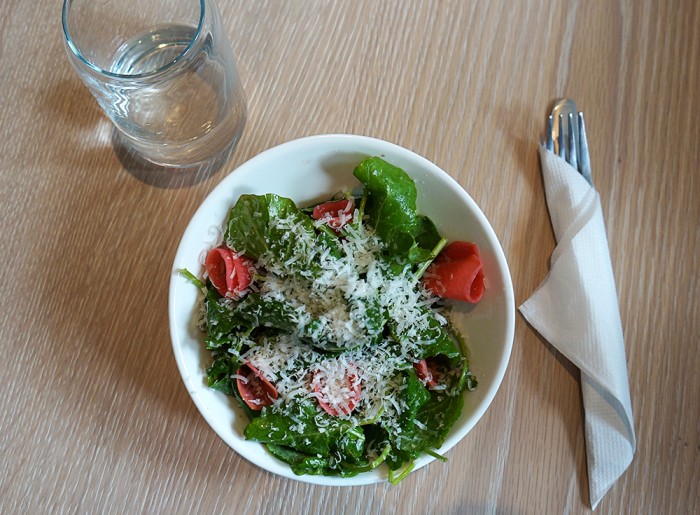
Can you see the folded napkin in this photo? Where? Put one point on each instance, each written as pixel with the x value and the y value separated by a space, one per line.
pixel 575 309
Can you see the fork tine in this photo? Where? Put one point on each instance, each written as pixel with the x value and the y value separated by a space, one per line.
pixel 549 142
pixel 573 154
pixel 585 167
pixel 562 143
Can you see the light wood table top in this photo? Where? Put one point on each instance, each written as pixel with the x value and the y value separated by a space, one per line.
pixel 94 416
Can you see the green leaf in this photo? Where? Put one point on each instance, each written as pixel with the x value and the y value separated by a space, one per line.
pixel 439 336
pixel 434 420
pixel 351 444
pixel 318 437
pixel 427 235
pixel 346 457
pixel 247 226
pixel 258 311
pixel 222 323
pixel 299 462
pixel 439 415
pixel 373 315
pixel 219 374
pixel 391 202
pixel 391 206
pixel 442 342
pixel 254 228
pixel 365 465
pixel 416 395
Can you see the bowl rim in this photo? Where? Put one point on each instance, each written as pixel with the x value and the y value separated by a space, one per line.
pixel 390 148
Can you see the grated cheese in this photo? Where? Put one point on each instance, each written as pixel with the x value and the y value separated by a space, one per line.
pixel 336 299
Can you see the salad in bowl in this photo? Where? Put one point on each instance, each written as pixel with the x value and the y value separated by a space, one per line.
pixel 329 333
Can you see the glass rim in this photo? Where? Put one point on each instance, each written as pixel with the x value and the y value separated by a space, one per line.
pixel 76 51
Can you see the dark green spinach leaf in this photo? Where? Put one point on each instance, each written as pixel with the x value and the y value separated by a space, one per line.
pixel 391 202
pixel 253 228
pixel 439 339
pixel 391 206
pixel 219 374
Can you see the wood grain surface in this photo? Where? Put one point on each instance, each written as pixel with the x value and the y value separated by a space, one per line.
pixel 93 414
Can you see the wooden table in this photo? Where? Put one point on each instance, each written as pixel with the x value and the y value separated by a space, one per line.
pixel 94 415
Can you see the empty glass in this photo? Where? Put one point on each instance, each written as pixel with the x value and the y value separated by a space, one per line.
pixel 164 73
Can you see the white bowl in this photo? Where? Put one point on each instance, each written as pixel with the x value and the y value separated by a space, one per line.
pixel 312 169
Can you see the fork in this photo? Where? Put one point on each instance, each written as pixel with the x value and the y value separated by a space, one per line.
pixel 566 136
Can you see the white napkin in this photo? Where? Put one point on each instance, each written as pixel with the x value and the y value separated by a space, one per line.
pixel 575 309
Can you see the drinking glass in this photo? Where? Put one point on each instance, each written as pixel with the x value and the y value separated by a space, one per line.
pixel 163 71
